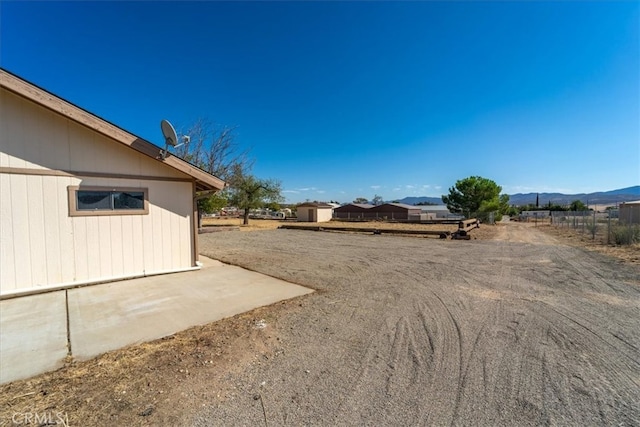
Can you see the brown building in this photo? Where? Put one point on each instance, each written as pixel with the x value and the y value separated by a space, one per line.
pixel 630 212
pixel 397 211
pixel 387 211
pixel 353 211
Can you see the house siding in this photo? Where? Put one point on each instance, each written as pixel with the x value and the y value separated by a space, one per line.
pixel 43 153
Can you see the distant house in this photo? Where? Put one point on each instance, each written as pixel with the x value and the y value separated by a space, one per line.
pixel 438 211
pixel 84 201
pixel 314 212
pixel 352 211
pixel 629 212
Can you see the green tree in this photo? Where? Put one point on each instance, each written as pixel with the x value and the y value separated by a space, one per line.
pixel 377 200
pixel 498 205
pixel 212 203
pixel 577 205
pixel 361 200
pixel 556 207
pixel 248 192
pixel 476 195
pixel 274 206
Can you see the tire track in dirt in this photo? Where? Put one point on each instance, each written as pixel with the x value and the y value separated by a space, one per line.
pixel 600 386
pixel 521 333
pixel 404 362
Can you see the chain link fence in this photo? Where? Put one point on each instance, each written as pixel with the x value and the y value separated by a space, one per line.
pixel 607 227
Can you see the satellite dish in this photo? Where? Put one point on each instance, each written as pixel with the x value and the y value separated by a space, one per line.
pixel 170 138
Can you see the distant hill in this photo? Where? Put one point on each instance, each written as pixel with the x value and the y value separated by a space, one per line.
pixel 416 200
pixel 600 198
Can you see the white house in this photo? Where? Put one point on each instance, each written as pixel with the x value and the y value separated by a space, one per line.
pixel 438 211
pixel 314 212
pixel 85 201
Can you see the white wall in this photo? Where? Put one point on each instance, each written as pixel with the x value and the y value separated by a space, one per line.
pixel 41 245
pixel 319 214
pixel 324 214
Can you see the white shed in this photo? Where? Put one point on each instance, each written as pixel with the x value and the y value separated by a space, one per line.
pixel 84 201
pixel 314 212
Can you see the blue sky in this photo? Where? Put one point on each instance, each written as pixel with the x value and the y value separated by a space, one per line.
pixel 340 100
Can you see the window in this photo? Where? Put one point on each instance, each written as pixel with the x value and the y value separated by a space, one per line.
pixel 84 201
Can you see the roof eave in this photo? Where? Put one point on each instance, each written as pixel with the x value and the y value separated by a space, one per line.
pixel 204 180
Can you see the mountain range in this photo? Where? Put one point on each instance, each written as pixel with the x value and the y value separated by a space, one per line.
pixel 600 198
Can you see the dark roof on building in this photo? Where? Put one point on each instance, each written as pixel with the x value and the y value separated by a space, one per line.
pixel 399 205
pixel 355 205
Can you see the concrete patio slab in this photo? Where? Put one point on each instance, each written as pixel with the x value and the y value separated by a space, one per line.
pixel 33 335
pixel 111 316
pixel 36 330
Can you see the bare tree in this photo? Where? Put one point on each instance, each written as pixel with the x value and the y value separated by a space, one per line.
pixel 214 149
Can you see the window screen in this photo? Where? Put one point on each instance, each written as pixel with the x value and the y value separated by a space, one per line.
pixel 103 201
pixel 109 200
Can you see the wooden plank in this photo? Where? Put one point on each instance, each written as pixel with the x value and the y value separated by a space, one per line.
pixel 35 218
pixel 468 224
pixel 128 253
pixel 21 231
pixel 118 241
pixel 65 226
pixel 7 253
pixel 147 236
pixel 367 230
pixel 85 251
pixel 105 246
pixel 137 242
pixel 88 174
pixel 50 193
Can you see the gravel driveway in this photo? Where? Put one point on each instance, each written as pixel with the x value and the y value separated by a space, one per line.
pixel 415 331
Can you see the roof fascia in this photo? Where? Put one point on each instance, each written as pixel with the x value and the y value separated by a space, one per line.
pixel 41 97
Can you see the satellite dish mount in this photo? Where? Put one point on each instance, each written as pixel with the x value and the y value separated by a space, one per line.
pixel 170 138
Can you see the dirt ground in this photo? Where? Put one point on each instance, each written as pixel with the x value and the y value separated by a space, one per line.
pixel 515 327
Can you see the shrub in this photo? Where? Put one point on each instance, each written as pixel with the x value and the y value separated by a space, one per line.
pixel 626 234
pixel 592 227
